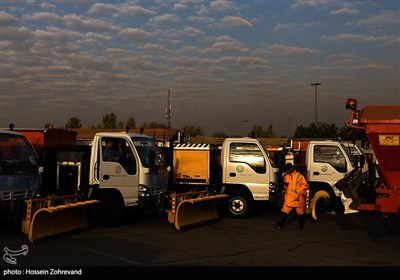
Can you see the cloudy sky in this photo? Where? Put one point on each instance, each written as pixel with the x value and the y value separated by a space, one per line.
pixel 228 64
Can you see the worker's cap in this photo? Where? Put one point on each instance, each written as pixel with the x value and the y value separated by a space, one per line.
pixel 287 167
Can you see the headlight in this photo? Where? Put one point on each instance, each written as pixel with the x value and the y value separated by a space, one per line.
pixel 143 190
pixel 273 188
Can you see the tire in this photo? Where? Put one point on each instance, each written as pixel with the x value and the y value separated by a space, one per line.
pixel 111 211
pixel 240 205
pixel 324 204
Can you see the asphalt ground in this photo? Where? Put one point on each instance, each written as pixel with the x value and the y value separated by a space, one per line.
pixel 148 244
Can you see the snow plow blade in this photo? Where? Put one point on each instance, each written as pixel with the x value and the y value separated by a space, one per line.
pixel 314 200
pixel 53 220
pixel 193 208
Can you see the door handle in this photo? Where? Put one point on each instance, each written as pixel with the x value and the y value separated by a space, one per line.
pixel 316 173
pixel 232 174
pixel 106 177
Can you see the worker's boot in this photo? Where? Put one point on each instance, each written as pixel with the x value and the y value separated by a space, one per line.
pixel 301 221
pixel 279 224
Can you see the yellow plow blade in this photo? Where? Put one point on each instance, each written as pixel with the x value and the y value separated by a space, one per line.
pixel 191 211
pixel 314 200
pixel 52 220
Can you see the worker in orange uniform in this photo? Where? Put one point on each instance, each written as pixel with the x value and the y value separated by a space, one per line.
pixel 296 188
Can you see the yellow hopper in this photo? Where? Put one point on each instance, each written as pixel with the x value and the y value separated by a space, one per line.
pixel 50 220
pixel 193 207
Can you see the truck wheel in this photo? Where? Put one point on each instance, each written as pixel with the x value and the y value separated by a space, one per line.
pixel 324 204
pixel 240 205
pixel 110 212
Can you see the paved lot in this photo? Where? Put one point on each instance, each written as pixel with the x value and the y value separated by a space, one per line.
pixel 335 240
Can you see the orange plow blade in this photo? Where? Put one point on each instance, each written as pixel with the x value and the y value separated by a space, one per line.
pixel 193 208
pixel 53 220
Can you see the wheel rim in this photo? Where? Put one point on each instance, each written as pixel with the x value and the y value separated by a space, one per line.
pixel 237 206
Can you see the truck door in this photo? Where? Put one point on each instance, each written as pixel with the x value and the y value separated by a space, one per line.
pixel 118 168
pixel 327 163
pixel 246 164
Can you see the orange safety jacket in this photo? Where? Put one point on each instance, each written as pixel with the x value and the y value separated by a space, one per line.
pixel 296 187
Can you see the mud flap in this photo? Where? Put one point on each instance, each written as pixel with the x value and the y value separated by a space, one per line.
pixel 53 220
pixel 314 200
pixel 191 211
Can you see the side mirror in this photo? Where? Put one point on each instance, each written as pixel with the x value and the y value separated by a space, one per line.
pixel 358 161
pixel 362 161
pixel 365 144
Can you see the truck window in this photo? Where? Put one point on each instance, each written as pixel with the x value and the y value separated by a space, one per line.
pixel 332 155
pixel 118 150
pixel 248 153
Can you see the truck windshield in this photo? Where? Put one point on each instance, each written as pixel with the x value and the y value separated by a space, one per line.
pixel 351 150
pixel 144 146
pixel 14 149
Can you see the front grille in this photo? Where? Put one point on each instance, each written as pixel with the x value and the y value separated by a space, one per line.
pixel 13 195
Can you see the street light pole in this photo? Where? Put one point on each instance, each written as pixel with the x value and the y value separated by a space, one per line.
pixel 315 91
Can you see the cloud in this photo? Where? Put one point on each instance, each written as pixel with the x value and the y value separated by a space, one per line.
pixel 129 10
pixel 311 3
pixel 371 66
pixel 384 17
pixel 282 26
pixel 44 16
pixel 102 9
pixel 154 47
pixel 193 31
pixel 15 33
pixel 344 11
pixel 76 22
pixel 6 19
pixel 47 6
pixel 237 22
pixel 225 44
pixel 135 34
pixel 290 50
pixel 222 6
pixel 166 18
pixel 362 38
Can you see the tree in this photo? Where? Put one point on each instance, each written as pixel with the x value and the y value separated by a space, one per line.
pixel 110 121
pixel 154 124
pixel 130 122
pixel 120 124
pixel 193 130
pixel 73 122
pixel 316 130
pixel 259 132
pixel 49 126
pixel 219 134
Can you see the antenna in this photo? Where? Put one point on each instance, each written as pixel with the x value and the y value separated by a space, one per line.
pixel 168 110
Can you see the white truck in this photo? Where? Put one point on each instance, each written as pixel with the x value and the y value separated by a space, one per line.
pixel 324 163
pixel 138 178
pixel 239 168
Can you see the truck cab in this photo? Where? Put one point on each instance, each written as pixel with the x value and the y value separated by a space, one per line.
pixel 327 162
pixel 248 175
pixel 136 178
pixel 20 173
